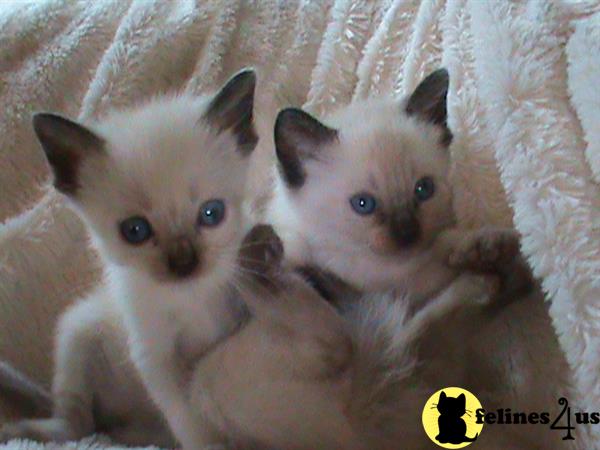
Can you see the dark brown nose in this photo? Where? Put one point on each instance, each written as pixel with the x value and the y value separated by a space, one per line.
pixel 182 258
pixel 405 229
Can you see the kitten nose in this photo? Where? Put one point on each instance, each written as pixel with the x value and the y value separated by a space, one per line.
pixel 182 258
pixel 405 229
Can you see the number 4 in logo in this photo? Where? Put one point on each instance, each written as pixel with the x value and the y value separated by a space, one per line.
pixel 568 427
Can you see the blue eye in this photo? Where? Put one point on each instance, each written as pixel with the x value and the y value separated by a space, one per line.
pixel 135 230
pixel 212 213
pixel 363 204
pixel 424 189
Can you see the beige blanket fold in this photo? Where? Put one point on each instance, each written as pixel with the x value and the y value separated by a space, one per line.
pixel 524 105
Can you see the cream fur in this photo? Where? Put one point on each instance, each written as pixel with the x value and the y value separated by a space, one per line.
pixel 84 58
pixel 163 316
pixel 376 152
pixel 170 322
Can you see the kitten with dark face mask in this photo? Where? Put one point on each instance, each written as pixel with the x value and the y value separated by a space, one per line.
pixel 160 187
pixel 366 195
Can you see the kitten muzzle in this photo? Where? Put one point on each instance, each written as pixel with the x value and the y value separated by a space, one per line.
pixel 182 258
pixel 405 229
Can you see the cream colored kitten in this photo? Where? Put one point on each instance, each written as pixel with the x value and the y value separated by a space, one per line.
pixel 366 195
pixel 160 187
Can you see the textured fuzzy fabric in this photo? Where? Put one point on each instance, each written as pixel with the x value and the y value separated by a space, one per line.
pixel 92 443
pixel 523 105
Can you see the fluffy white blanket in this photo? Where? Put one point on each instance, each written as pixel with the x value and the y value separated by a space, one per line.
pixel 524 105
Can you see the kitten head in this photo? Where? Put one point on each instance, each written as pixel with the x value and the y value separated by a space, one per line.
pixel 160 185
pixel 452 406
pixel 374 181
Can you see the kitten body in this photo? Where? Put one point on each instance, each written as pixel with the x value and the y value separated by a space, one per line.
pixel 283 380
pixel 296 376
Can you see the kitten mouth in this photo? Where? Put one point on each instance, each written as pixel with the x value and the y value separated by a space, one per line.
pixel 183 269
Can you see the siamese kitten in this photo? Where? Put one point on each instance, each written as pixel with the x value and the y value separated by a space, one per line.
pixel 160 188
pixel 366 195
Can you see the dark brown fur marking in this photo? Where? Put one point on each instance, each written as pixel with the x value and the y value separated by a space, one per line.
pixel 298 137
pixel 261 254
pixel 65 143
pixel 232 109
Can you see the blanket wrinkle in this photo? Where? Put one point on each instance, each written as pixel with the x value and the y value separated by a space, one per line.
pixel 523 106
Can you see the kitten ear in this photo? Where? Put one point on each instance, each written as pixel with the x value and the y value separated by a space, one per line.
pixel 442 396
pixel 298 137
pixel 65 144
pixel 428 102
pixel 463 400
pixel 232 109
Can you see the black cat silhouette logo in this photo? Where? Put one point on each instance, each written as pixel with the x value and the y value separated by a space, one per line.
pixel 449 418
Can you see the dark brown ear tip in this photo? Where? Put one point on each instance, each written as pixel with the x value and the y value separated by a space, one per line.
pixel 441 74
pixel 43 119
pixel 40 119
pixel 439 77
pixel 245 77
pixel 248 73
pixel 289 114
pixel 285 118
pixel 300 119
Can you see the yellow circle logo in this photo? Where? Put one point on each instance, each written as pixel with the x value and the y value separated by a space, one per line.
pixel 449 418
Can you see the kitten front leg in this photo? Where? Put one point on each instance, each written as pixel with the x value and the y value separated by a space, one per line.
pixel 165 376
pixel 76 348
pixel 467 290
pixel 487 249
pixel 493 250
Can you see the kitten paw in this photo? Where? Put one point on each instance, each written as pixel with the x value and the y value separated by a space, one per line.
pixel 486 250
pixel 261 253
